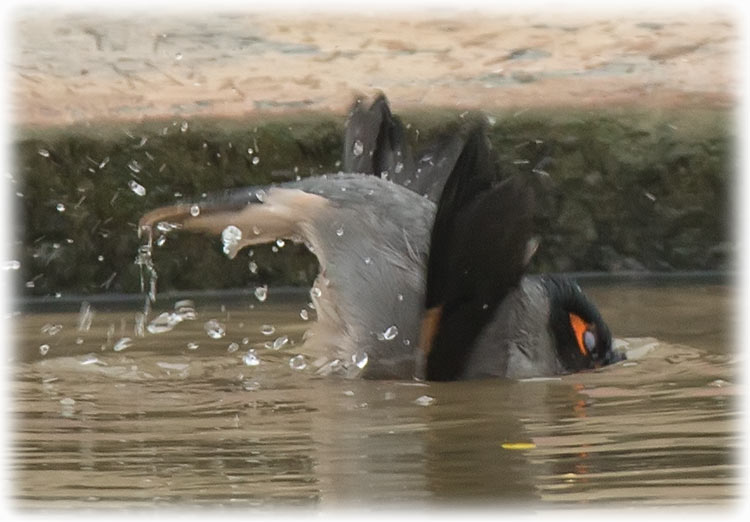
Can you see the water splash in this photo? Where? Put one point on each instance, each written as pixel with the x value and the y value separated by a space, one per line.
pixel 148 275
pixel 137 188
pixel 267 329
pixel 251 358
pixel 298 362
pixel 389 334
pixel 280 342
pixel 214 329
pixel 184 310
pixel 122 344
pixel 360 360
pixel 230 238
pixel 85 317
pixel 424 400
pixel 13 264
pixel 261 293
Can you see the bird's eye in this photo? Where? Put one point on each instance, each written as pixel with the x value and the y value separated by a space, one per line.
pixel 584 337
pixel 589 340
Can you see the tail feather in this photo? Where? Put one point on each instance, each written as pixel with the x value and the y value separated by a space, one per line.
pixel 375 143
pixel 479 249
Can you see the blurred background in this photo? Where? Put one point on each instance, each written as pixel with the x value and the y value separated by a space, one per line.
pixel 631 115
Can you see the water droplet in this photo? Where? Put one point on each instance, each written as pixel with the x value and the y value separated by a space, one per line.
pixel 51 329
pixel 261 293
pixel 280 342
pixel 184 310
pixel 256 160
pixel 251 358
pixel 60 207
pixel 280 243
pixel 298 362
pixel 192 346
pixel 315 291
pixel 358 148
pixel 233 347
pixel 230 237
pixel 122 344
pixel 185 125
pixel 250 151
pixel 398 167
pixel 260 195
pixel 43 349
pixel 304 315
pixel 85 317
pixel 134 166
pixel 368 260
pixel 44 153
pixel 340 231
pixel 424 400
pixel 389 334
pixel 195 211
pixel 360 359
pixel 719 383
pixel 164 322
pixel 90 359
pixel 214 329
pixel 12 265
pixel 400 297
pixel 137 188
pixel 67 401
pixel 267 329
pixel 161 240
pixel 253 266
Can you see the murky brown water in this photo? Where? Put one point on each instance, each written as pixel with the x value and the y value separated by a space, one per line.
pixel 158 423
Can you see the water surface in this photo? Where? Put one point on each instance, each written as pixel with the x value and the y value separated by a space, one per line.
pixel 164 423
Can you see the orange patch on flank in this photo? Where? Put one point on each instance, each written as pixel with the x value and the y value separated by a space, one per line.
pixel 430 323
pixel 579 327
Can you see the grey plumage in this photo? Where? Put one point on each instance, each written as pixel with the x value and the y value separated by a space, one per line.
pixel 372 240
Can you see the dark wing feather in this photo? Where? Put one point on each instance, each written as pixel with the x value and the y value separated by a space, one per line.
pixel 477 255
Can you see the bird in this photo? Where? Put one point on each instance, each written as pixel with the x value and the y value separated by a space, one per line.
pixel 422 260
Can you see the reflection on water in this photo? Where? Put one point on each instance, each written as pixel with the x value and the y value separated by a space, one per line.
pixel 182 417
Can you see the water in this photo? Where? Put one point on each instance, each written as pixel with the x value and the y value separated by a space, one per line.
pixel 161 424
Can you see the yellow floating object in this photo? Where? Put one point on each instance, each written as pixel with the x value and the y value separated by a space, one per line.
pixel 518 445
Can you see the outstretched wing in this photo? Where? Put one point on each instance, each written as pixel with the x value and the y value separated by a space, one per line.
pixel 370 238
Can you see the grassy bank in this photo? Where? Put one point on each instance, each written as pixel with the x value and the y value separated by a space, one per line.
pixel 627 190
